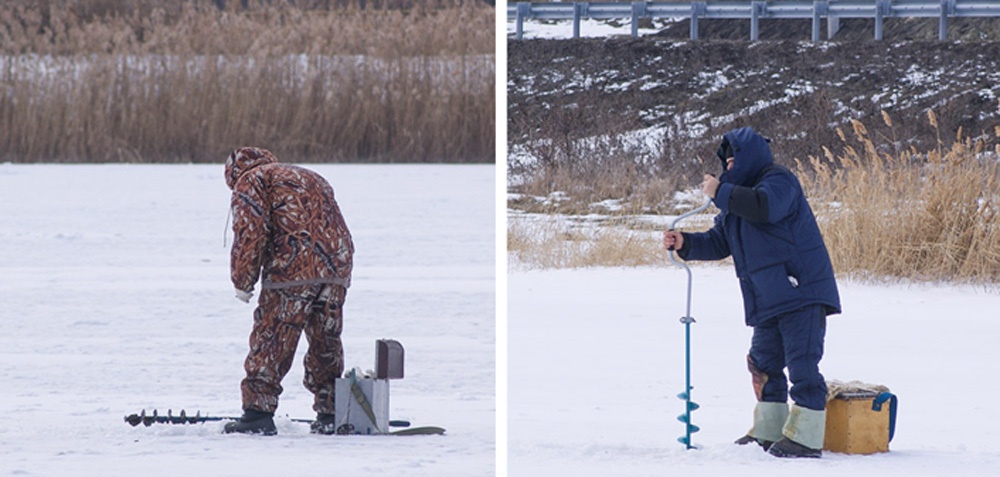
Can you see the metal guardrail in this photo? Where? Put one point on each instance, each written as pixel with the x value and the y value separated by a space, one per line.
pixel 832 10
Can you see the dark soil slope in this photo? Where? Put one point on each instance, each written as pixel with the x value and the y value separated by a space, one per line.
pixel 795 91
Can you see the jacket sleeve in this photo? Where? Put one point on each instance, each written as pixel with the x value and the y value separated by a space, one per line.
pixel 769 201
pixel 251 230
pixel 708 245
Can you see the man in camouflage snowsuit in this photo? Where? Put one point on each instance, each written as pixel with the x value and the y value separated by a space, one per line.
pixel 289 233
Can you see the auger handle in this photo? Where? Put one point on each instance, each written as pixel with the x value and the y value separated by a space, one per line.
pixel 673 254
pixel 673 224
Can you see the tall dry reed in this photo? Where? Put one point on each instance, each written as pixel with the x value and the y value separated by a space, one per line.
pixel 908 214
pixel 190 81
pixel 887 212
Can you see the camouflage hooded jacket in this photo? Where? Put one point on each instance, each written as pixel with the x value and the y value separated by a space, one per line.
pixel 286 225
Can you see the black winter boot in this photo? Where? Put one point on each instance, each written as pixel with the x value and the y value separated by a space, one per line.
pixel 324 424
pixel 789 448
pixel 748 439
pixel 253 422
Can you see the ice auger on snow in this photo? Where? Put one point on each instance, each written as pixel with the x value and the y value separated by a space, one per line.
pixel 689 405
pixel 366 395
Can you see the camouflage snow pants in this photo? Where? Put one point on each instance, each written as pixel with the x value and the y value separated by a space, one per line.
pixel 281 316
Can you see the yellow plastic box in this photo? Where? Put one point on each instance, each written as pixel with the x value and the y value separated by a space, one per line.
pixel 853 427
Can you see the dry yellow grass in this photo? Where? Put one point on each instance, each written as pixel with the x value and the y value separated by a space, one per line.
pixel 72 27
pixel 908 215
pixel 188 82
pixel 911 215
pixel 561 244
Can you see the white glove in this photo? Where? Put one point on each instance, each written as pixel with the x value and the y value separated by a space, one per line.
pixel 244 296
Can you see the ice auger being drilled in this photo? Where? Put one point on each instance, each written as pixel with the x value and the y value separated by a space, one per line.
pixel 689 405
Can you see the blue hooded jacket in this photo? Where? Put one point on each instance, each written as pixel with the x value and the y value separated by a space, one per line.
pixel 768 228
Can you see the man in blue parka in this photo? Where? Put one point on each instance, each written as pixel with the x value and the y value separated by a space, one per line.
pixel 788 287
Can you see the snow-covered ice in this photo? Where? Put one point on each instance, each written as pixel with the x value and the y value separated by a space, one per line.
pixel 597 358
pixel 116 298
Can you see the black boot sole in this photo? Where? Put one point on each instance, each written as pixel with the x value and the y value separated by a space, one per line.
pixel 788 449
pixel 766 445
pixel 263 427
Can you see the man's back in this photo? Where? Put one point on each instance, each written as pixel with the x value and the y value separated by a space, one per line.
pixel 287 225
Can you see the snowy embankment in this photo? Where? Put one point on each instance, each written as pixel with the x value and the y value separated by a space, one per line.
pixel 589 28
pixel 597 358
pixel 116 298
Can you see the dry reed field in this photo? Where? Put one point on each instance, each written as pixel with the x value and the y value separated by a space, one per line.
pixel 185 80
pixel 887 212
pixel 892 212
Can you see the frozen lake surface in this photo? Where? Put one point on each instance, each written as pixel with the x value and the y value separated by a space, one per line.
pixel 597 359
pixel 116 298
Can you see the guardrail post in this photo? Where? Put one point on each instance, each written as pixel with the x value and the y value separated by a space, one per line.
pixel 755 10
pixel 697 10
pixel 881 7
pixel 947 8
pixel 522 12
pixel 638 10
pixel 577 15
pixel 832 26
pixel 819 10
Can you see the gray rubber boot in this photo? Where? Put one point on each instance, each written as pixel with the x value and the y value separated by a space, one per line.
pixel 768 420
pixel 803 433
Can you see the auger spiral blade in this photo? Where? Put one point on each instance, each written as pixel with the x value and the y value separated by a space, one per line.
pixel 170 418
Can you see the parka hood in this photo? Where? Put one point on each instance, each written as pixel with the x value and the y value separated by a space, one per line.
pixel 752 155
pixel 243 159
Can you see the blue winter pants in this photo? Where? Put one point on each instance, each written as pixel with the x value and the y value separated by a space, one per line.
pixel 795 341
